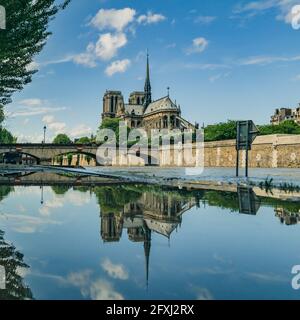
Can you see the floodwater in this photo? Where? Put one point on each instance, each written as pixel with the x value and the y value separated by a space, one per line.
pixel 140 242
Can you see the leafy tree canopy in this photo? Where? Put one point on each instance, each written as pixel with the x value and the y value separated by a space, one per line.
pixel 62 139
pixel 227 130
pixel 25 35
pixel 83 140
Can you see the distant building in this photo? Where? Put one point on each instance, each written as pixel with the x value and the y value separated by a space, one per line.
pixel 284 114
pixel 142 112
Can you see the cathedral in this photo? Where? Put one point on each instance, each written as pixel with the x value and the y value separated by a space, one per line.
pixel 142 112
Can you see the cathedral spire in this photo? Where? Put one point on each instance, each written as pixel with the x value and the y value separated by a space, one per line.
pixel 148 98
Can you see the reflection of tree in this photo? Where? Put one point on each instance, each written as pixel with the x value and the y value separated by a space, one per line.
pixel 221 199
pixel 60 190
pixel 113 199
pixel 12 261
pixel 5 191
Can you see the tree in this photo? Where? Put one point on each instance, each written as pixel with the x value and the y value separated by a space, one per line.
pixel 227 130
pixel 25 35
pixel 286 127
pixel 220 131
pixel 62 139
pixel 83 140
pixel 5 136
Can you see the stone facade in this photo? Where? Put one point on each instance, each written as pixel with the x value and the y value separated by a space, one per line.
pixel 142 112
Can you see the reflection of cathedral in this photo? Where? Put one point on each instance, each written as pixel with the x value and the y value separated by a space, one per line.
pixel 152 212
pixel 142 112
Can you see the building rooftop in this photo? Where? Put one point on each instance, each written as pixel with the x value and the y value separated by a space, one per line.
pixel 164 103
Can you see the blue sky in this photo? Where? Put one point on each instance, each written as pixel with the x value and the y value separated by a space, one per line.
pixel 222 60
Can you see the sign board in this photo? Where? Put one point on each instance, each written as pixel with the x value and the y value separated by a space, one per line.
pixel 249 203
pixel 246 133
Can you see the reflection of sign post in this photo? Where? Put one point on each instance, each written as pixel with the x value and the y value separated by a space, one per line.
pixel 246 133
pixel 2 18
pixel 249 203
pixel 2 278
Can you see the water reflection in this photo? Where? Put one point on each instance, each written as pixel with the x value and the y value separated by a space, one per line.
pixel 136 212
pixel 13 266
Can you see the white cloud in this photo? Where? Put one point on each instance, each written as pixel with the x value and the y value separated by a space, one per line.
pixel 24 138
pixel 79 131
pixel 99 289
pixel 119 66
pixel 57 127
pixel 61 127
pixel 103 290
pixel 113 19
pixel 48 119
pixel 171 46
pixel 199 45
pixel 32 107
pixel 116 271
pixel 26 224
pixel 205 66
pixel 205 20
pixel 264 60
pixel 31 102
pixel 87 58
pixel 219 76
pixel 254 8
pixel 108 44
pixel 151 18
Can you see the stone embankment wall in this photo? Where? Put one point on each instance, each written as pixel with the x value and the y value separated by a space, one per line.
pixel 273 151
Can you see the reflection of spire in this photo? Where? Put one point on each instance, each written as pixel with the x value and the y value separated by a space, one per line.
pixel 147 247
pixel 42 195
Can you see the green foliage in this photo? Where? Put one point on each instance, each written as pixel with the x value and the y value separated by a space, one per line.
pixel 5 191
pixel 62 139
pixel 286 127
pixel 70 158
pixel 83 140
pixel 60 190
pixel 6 137
pixel 2 117
pixel 112 124
pixel 227 130
pixel 24 37
pixel 113 199
pixel 220 131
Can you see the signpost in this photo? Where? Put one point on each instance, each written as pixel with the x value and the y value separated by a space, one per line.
pixel 246 133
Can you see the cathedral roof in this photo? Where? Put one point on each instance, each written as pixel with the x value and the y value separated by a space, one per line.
pixel 162 104
pixel 163 228
pixel 136 108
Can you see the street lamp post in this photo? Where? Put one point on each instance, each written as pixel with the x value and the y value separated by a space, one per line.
pixel 45 128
